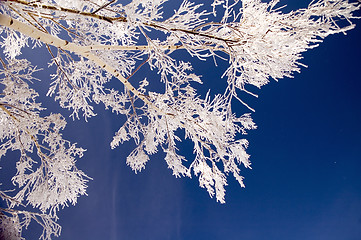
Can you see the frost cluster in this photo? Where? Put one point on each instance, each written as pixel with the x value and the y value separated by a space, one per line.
pixel 46 176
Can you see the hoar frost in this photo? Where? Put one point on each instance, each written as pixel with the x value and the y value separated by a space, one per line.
pixel 94 43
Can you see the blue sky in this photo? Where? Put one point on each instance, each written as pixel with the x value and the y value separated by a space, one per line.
pixel 306 159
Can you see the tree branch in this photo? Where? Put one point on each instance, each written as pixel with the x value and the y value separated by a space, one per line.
pixel 47 38
pixel 67 10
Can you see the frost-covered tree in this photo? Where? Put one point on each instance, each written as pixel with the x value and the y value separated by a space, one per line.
pixel 95 42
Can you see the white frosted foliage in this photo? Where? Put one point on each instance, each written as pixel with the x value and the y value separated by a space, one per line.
pixel 97 48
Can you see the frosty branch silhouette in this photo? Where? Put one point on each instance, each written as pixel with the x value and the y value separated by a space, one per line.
pixel 94 42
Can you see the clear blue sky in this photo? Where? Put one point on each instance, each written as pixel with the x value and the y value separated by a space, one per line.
pixel 306 158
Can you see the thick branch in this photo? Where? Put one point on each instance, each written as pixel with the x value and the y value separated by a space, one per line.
pixel 65 45
pixel 144 47
pixel 153 24
pixel 67 10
